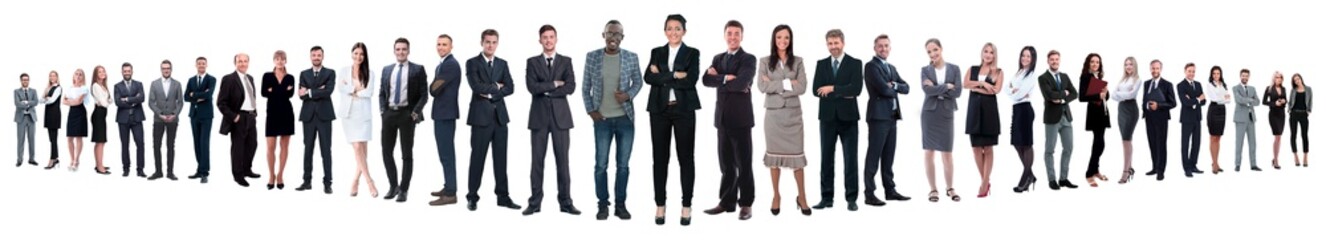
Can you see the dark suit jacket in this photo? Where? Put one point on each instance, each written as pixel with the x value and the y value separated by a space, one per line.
pixel 199 96
pixel 483 80
pixel 882 97
pixel 1163 95
pixel 231 98
pixel 1191 111
pixel 318 102
pixel 1054 112
pixel 839 105
pixel 1098 115
pixel 733 109
pixel 129 110
pixel 549 107
pixel 446 95
pixel 664 83
pixel 416 85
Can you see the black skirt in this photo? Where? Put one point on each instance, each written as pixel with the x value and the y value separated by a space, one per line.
pixel 1024 119
pixel 99 124
pixel 1277 120
pixel 1215 119
pixel 77 122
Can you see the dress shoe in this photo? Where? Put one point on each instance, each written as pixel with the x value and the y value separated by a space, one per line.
pixel 1198 171
pixel 1188 174
pixel 204 179
pixel 1151 173
pixel 443 200
pixel 195 176
pixel 1054 185
pixel 509 204
pixel 242 182
pixel 602 214
pixel 872 201
pixel 304 186
pixel 400 198
pixel 569 209
pixel 823 205
pixel 851 206
pixel 172 177
pixel 621 213
pixel 126 174
pixel 472 206
pixel 1067 184
pixel 20 163
pixel 719 209
pixel 1256 169
pixel 154 176
pixel 327 189
pixel 34 163
pixel 438 193
pixel 896 197
pixel 745 214
pixel 252 175
pixel 1160 177
pixel 391 194
pixel 141 174
pixel 531 210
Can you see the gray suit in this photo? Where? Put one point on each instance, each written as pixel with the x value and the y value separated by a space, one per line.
pixel 1245 101
pixel 550 115
pixel 25 114
pixel 165 101
pixel 129 114
pixel 938 107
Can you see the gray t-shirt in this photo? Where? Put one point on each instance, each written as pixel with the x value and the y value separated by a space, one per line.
pixel 612 75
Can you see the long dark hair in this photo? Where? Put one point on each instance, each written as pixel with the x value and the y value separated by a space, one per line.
pixel 773 47
pixel 363 67
pixel 1211 78
pixel 1032 67
pixel 1086 66
pixel 1300 82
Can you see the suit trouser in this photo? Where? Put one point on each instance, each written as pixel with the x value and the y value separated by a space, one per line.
pixel 318 131
pixel 882 143
pixel 1298 119
pixel 662 126
pixel 445 133
pixel 734 160
pixel 1063 131
pixel 53 135
pixel 243 146
pixel 1189 144
pixel 168 130
pixel 832 131
pixel 398 123
pixel 27 131
pixel 561 141
pixel 1157 132
pixel 1097 148
pixel 136 129
pixel 202 144
pixel 1245 131
pixel 482 137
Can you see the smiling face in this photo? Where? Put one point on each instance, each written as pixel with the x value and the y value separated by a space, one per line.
pixel 1094 64
pixel 357 56
pixel 988 54
pixel 127 72
pixel 1217 76
pixel 24 80
pixel 1025 59
pixel 443 47
pixel 882 48
pixel 489 45
pixel 1155 70
pixel 549 41
pixel 783 40
pixel 835 45
pixel 52 78
pixel 733 36
pixel 315 56
pixel 402 51
pixel 1053 60
pixel 612 37
pixel 1129 67
pixel 166 68
pixel 674 31
pixel 1243 77
pixel 936 53
pixel 242 63
pixel 1189 72
pixel 201 64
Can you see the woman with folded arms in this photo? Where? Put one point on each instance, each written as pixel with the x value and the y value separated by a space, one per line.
pixel 51 99
pixel 355 111
pixel 940 81
pixel 102 98
pixel 984 81
pixel 1021 136
pixel 1218 93
pixel 783 81
pixel 1125 92
pixel 278 86
pixel 74 97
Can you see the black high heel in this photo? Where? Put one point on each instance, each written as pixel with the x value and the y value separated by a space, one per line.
pixel 686 220
pixel 659 219
pixel 54 163
pixel 805 208
pixel 280 186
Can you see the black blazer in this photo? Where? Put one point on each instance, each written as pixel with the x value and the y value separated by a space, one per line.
pixel 446 95
pixel 839 105
pixel 483 80
pixel 1098 115
pixel 416 86
pixel 199 96
pixel 318 102
pixel 733 109
pixel 664 82
pixel 549 107
pixel 1163 95
pixel 1054 112
pixel 230 98
pixel 882 97
pixel 1191 111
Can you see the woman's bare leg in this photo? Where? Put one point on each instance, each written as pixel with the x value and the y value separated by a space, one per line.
pixel 285 153
pixel 271 160
pixel 774 174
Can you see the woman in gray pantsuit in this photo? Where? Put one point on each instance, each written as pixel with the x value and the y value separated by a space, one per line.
pixel 783 81
pixel 1126 94
pixel 941 83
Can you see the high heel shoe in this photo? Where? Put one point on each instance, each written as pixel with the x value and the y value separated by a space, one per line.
pixel 1275 163
pixel 803 205
pixel 270 186
pixel 280 186
pixel 54 163
pixel 659 217
pixel 686 216
pixel 1127 176
pixel 984 191
pixel 102 171
pixel 776 205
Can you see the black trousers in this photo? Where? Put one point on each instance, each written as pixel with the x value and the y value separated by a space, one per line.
pixel 202 142
pixel 1298 119
pixel 561 141
pixel 53 135
pixel 734 160
pixel 831 132
pixel 398 123
pixel 1157 131
pixel 662 126
pixel 882 143
pixel 1097 148
pixel 243 145
pixel 482 137
pixel 318 131
pixel 1189 144
pixel 136 130
pixel 166 130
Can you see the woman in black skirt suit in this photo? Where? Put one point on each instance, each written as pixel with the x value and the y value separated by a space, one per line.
pixel 74 97
pixel 51 99
pixel 985 81
pixel 1098 114
pixel 1218 93
pixel 1021 134
pixel 101 96
pixel 1275 97
pixel 278 86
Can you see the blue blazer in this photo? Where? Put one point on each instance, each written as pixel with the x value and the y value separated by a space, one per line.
pixel 129 102
pixel 1191 111
pixel 485 111
pixel 445 96
pixel 882 97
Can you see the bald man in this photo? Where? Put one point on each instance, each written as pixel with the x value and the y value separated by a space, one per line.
pixel 239 109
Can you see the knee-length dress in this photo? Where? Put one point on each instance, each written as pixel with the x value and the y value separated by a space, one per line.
pixel 102 100
pixel 355 109
pixel 77 122
pixel 1276 117
pixel 1215 112
pixel 280 114
pixel 982 114
pixel 784 131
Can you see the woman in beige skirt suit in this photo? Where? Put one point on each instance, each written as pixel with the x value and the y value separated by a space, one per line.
pixel 783 81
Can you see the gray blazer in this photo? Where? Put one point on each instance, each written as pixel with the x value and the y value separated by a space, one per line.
pixel 775 96
pixel 1245 101
pixel 938 96
pixel 25 110
pixel 165 102
pixel 1293 92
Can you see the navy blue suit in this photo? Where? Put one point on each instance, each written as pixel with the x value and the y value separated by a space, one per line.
pixel 883 112
pixel 488 117
pixel 1160 92
pixel 445 90
pixel 1190 119
pixel 317 113
pixel 198 92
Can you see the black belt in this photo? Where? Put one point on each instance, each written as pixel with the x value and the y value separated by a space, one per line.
pixel 399 108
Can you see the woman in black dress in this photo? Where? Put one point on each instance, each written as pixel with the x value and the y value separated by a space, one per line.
pixel 1218 94
pixel 278 86
pixel 51 99
pixel 101 96
pixel 985 81
pixel 74 97
pixel 1098 115
pixel 1275 98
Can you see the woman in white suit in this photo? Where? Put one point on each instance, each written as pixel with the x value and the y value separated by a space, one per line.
pixel 356 112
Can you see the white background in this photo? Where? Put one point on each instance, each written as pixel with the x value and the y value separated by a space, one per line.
pixel 1263 36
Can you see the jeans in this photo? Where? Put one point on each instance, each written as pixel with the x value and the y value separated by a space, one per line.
pixel 622 129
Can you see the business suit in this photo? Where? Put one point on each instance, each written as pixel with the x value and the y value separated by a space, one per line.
pixel 317 113
pixel 1190 118
pixel 619 118
pixel 938 107
pixel 838 116
pixel 672 104
pixel 1161 92
pixel 198 93
pixel 550 115
pixel 1057 90
pixel 734 118
pixel 883 111
pixel 1097 121
pixel 25 116
pixel 401 111
pixel 488 118
pixel 1245 103
pixel 129 114
pixel 237 99
pixel 165 99
pixel 445 112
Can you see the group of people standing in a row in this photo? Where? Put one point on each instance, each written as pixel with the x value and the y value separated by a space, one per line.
pixel 612 77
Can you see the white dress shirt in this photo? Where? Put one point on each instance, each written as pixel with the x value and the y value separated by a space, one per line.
pixel 1216 93
pixel 399 76
pixel 1024 84
pixel 250 101
pixel 672 56
pixel 1125 90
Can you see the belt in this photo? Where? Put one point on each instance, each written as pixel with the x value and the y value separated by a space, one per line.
pixel 399 108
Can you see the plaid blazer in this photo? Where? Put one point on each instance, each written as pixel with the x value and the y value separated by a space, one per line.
pixel 591 87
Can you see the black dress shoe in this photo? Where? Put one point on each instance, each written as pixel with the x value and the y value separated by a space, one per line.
pixel 1054 185
pixel 851 206
pixel 472 206
pixel 745 214
pixel 1067 184
pixel 1160 177
pixel 304 186
pixel 195 176
pixel 570 209
pixel 896 197
pixel 172 177
pixel 531 210
pixel 872 201
pixel 1188 174
pixel 1198 171
pixel 510 205
pixel 621 213
pixel 327 189
pixel 1151 173
pixel 602 214
pixel 391 194
pixel 400 198
pixel 717 210
pixel 204 179
pixel 823 205
pixel 252 175
pixel 20 164
pixel 154 176
pixel 242 182
pixel 141 174
pixel 1256 169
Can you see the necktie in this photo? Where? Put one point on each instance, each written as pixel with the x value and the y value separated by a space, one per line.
pixel 549 63
pixel 396 95
pixel 1057 84
pixel 835 68
pixel 248 89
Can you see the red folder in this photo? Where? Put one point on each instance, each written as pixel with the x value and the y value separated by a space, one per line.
pixel 1095 87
